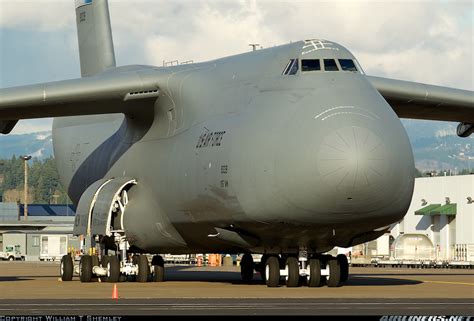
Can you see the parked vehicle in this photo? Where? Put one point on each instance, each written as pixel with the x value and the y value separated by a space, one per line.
pixel 12 253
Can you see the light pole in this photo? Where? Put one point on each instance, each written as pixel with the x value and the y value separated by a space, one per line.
pixel 26 158
pixel 1 195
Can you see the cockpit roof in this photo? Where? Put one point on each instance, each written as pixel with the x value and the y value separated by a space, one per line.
pixel 320 48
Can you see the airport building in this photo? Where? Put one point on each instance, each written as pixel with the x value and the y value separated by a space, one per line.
pixel 440 221
pixel 46 233
pixel 437 228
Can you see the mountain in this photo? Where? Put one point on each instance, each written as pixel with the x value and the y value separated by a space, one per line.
pixel 38 145
pixel 435 145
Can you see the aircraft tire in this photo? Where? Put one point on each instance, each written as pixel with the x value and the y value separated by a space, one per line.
pixel 158 264
pixel 113 268
pixel 247 267
pixel 85 268
pixel 314 273
pixel 66 268
pixel 324 263
pixel 261 267
pixel 133 277
pixel 293 269
pixel 143 268
pixel 272 271
pixel 104 262
pixel 95 260
pixel 334 279
pixel 344 267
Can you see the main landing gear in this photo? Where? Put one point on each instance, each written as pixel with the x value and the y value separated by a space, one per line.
pixel 294 271
pixel 111 269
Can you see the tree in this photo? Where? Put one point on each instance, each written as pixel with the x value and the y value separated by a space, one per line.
pixel 43 181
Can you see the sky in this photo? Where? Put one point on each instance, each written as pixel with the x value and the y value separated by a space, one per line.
pixel 426 41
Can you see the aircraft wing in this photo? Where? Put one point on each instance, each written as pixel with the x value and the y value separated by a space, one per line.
pixel 114 92
pixel 421 101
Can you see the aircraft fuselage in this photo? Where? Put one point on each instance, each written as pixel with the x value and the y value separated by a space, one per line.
pixel 313 159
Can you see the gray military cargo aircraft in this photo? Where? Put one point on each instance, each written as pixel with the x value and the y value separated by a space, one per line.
pixel 287 151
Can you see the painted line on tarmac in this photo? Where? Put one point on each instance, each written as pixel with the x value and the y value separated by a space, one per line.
pixel 212 307
pixel 23 305
pixel 38 308
pixel 446 282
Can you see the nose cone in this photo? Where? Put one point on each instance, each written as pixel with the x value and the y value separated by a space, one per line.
pixel 353 159
pixel 347 162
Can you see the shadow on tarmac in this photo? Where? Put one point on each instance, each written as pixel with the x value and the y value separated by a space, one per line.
pixel 17 278
pixel 178 274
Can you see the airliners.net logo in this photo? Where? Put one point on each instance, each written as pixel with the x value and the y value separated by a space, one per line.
pixel 425 318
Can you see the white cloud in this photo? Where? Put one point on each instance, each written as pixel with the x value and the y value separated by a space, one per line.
pixel 45 15
pixel 426 41
pixel 216 33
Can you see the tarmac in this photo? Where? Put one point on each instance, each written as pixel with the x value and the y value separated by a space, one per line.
pixel 34 288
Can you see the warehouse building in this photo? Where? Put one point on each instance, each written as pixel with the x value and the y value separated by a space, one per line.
pixel 46 233
pixel 440 221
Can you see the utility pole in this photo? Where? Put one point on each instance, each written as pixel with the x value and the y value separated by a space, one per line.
pixel 2 177
pixel 26 158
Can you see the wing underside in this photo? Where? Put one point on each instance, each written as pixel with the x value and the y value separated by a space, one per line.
pixel 103 94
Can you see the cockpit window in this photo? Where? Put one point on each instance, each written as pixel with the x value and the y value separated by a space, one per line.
pixel 294 67
pixel 330 65
pixel 291 68
pixel 287 67
pixel 347 64
pixel 310 65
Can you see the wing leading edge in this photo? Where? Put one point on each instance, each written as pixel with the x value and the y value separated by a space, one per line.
pixel 114 92
pixel 421 101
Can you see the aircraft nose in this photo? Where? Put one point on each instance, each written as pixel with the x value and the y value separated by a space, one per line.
pixel 353 158
pixel 349 161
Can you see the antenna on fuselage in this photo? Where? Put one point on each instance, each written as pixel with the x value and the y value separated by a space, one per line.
pixel 254 46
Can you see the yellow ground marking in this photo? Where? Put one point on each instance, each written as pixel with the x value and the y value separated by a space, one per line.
pixel 444 282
